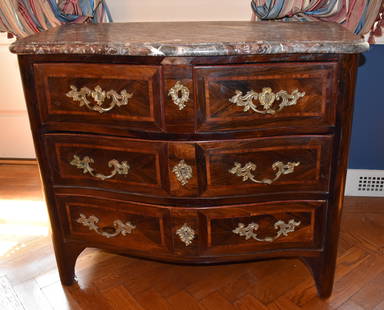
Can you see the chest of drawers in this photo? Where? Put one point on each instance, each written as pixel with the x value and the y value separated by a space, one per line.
pixel 193 142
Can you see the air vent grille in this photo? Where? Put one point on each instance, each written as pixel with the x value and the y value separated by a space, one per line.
pixel 371 184
pixel 365 183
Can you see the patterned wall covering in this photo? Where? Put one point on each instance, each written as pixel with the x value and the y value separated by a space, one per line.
pixel 24 17
pixel 359 16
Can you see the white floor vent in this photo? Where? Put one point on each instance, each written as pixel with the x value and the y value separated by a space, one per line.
pixel 365 183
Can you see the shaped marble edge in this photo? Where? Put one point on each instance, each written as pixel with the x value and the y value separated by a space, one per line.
pixel 193 39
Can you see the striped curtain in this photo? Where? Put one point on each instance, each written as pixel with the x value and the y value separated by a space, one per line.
pixel 25 17
pixel 360 16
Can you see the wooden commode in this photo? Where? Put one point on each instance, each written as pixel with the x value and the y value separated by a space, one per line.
pixel 201 142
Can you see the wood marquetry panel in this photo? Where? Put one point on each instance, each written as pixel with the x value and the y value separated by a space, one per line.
pixel 264 226
pixel 245 167
pixel 186 232
pixel 138 84
pixel 216 85
pixel 106 163
pixel 144 232
pixel 178 118
pixel 182 156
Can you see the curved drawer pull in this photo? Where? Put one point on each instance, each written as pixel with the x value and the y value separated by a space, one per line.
pixel 118 168
pixel 186 234
pixel 99 97
pixel 266 99
pixel 183 172
pixel 175 91
pixel 279 167
pixel 250 230
pixel 118 226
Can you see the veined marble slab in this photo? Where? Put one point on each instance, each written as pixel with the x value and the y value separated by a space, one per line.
pixel 193 39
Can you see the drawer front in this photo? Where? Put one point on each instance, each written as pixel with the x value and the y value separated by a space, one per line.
pixel 191 232
pixel 265 96
pixel 107 163
pixel 234 168
pixel 114 223
pixel 265 226
pixel 113 95
pixel 268 165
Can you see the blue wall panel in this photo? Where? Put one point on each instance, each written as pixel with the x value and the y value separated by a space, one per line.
pixel 367 144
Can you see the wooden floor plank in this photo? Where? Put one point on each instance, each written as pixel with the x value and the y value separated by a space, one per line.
pixel 119 298
pixel 31 295
pixel 214 278
pixel 172 283
pixel 20 182
pixel 380 306
pixel 248 302
pixel 183 300
pixel 110 281
pixel 47 278
pixel 367 230
pixel 348 262
pixel 8 298
pixel 216 301
pixel 371 294
pixel 283 303
pixel 151 300
pixel 59 299
pixel 238 287
pixel 350 305
pixel 351 283
pixel 289 273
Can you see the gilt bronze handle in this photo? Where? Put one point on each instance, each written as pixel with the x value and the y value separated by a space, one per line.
pixel 266 99
pixel 85 165
pixel 99 96
pixel 246 172
pixel 250 231
pixel 118 226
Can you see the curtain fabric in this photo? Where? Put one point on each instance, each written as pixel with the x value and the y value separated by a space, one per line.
pixel 359 16
pixel 25 17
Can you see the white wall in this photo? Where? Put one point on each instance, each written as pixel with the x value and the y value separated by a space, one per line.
pixel 179 10
pixel 15 138
pixel 15 135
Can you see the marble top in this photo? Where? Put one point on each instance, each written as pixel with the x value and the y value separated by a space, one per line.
pixel 192 39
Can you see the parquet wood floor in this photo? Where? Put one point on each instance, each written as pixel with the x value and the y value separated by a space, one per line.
pixel 28 274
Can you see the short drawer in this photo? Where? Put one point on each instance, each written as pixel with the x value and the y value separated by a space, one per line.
pixel 265 96
pixel 114 223
pixel 265 165
pixel 264 226
pixel 107 163
pixel 99 94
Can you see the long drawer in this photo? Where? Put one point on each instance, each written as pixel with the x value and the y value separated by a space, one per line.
pixel 289 97
pixel 210 231
pixel 192 169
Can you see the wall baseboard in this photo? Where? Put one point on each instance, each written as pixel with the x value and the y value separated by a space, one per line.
pixel 18 161
pixel 365 183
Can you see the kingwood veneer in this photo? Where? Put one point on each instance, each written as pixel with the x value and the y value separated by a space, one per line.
pixel 193 142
